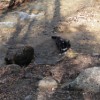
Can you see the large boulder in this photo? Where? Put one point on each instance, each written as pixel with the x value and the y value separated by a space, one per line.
pixel 88 80
pixel 20 54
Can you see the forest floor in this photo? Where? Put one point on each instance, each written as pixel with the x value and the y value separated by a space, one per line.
pixel 78 24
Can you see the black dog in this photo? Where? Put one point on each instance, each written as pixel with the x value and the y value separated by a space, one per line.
pixel 62 44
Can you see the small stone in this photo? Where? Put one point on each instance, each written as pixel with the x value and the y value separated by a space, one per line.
pixel 3 81
pixel 28 75
pixel 29 97
pixel 96 55
pixel 69 98
pixel 71 54
pixel 47 84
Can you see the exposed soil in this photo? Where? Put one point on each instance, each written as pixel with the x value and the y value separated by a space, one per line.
pixel 79 25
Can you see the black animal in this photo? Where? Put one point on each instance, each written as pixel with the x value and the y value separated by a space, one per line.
pixel 20 55
pixel 62 44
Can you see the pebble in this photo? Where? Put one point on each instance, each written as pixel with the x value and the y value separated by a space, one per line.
pixel 69 98
pixel 28 75
pixel 29 97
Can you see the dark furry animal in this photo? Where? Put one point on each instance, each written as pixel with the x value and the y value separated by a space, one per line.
pixel 20 55
pixel 62 44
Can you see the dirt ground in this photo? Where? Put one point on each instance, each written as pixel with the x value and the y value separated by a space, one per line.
pixel 78 24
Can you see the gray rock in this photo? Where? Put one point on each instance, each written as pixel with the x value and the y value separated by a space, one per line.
pixel 96 55
pixel 29 97
pixel 7 24
pixel 28 75
pixel 88 80
pixel 20 54
pixel 69 98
